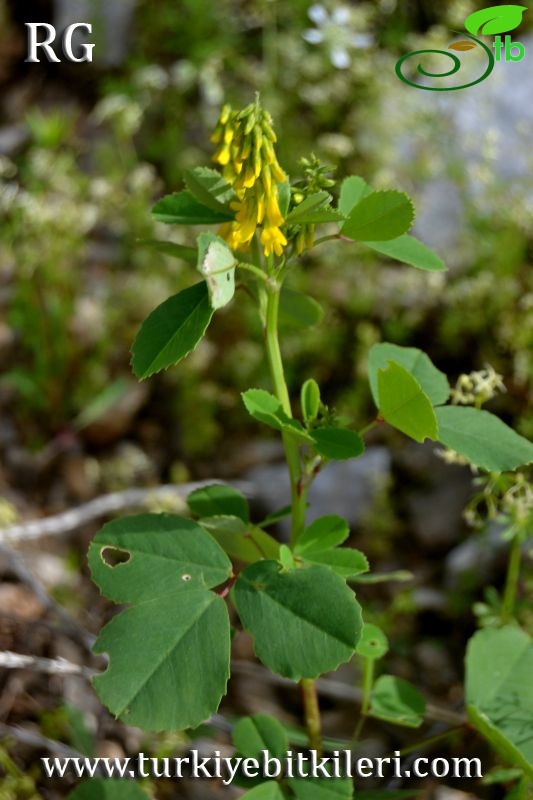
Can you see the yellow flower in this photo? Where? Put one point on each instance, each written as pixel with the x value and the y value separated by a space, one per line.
pixel 246 152
pixel 273 241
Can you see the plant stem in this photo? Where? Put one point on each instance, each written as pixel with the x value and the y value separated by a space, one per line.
pixel 298 488
pixel 312 715
pixel 368 682
pixel 511 583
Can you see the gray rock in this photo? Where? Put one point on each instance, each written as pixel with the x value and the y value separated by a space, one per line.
pixel 347 488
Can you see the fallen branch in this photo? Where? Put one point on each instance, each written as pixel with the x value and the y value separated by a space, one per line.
pixel 168 497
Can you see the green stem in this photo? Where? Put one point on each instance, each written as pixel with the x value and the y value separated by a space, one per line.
pixel 252 268
pixel 368 682
pixel 430 740
pixel 511 583
pixel 298 488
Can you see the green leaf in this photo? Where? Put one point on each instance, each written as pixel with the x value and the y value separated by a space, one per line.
pixel 108 789
pixel 314 210
pixel 240 540
pixel 276 516
pixel 169 565
pixel 251 735
pixel 286 558
pixel 494 20
pixel 310 400
pixel 322 534
pixel 397 701
pixel 353 190
pixel 270 790
pixel 210 189
pixel 499 691
pixel 163 552
pixel 379 217
pixel 403 404
pixel 172 331
pixel 337 444
pixel 289 615
pixel 169 660
pixel 284 197
pixel 483 439
pixel 373 643
pixel 417 363
pixel 297 310
pixel 410 251
pixel 182 208
pixel 384 794
pixel 322 788
pixel 266 408
pixel 217 264
pixel 346 562
pixel 218 499
pixel 172 249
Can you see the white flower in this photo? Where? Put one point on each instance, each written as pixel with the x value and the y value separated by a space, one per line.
pixel 335 32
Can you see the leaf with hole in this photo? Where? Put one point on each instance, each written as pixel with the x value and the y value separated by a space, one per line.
pixel 499 692
pixel 483 439
pixel 218 499
pixel 172 331
pixel 170 628
pixel 411 251
pixel 216 263
pixel 397 701
pixel 404 404
pixel 182 208
pixel 304 623
pixel 379 217
pixel 417 363
pixel 373 643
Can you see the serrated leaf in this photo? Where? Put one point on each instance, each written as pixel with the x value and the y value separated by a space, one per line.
pixel 417 363
pixel 353 190
pixel 218 499
pixel 108 789
pixel 266 408
pixel 289 615
pixel 210 188
pixel 182 208
pixel 397 701
pixel 483 439
pixel 410 250
pixel 172 249
pixel 241 540
pixel 322 534
pixel 172 331
pixel 337 444
pixel 251 735
pixel 322 788
pixel 166 553
pixel 494 20
pixel 499 691
pixel 168 660
pixel 404 405
pixel 310 400
pixel 346 561
pixel 298 310
pixel 270 790
pixel 373 643
pixel 314 210
pixel 379 217
pixel 217 264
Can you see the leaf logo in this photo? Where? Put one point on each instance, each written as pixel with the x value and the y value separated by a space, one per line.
pixel 464 45
pixel 495 20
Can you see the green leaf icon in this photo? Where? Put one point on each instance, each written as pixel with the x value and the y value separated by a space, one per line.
pixel 497 19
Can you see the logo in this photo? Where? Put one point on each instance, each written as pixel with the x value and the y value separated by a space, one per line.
pixel 492 21
pixel 50 36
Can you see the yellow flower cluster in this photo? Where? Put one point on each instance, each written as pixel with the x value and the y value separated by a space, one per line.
pixel 245 150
